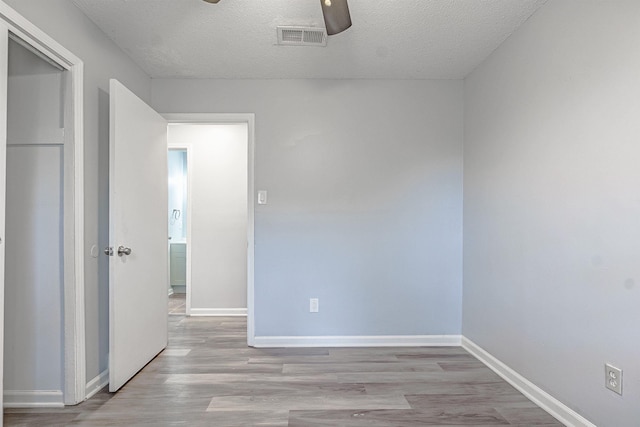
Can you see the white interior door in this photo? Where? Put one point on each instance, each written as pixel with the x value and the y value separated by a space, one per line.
pixel 138 222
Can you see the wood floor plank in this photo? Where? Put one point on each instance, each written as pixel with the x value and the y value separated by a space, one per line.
pixel 292 351
pixel 396 377
pixel 29 419
pixel 204 366
pixel 139 412
pixel 438 355
pixel 435 386
pixel 441 400
pixel 246 389
pixel 334 401
pixel 528 416
pixel 410 418
pixel 462 365
pixel 406 352
pixel 177 305
pixel 242 377
pixel 246 418
pixel 355 358
pixel 309 368
pixel 176 352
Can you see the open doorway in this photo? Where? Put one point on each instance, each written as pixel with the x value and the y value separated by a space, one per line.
pixel 208 218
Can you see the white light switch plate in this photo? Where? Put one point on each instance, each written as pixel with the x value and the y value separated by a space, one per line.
pixel 262 197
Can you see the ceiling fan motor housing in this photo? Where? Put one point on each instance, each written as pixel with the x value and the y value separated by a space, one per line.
pixel 336 15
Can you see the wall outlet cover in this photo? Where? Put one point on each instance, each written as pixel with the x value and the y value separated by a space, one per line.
pixel 613 378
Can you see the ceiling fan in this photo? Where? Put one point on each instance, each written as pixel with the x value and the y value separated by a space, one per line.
pixel 336 15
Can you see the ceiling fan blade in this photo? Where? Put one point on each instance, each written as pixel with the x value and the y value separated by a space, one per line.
pixel 336 15
pixel 212 1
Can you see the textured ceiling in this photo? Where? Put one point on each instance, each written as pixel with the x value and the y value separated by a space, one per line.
pixel 394 39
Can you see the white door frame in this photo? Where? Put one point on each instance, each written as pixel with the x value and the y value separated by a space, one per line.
pixel 73 204
pixel 189 149
pixel 249 119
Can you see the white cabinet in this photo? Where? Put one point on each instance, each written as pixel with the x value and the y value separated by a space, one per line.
pixel 178 265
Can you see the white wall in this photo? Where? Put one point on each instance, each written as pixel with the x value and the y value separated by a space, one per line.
pixel 219 214
pixel 551 204
pixel 365 200
pixel 103 60
pixel 33 263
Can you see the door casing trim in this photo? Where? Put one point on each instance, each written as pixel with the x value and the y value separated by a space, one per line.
pixel 233 118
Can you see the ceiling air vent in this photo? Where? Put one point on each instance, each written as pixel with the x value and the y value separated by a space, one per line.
pixel 302 36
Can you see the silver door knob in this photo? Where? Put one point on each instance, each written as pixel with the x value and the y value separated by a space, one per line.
pixel 123 251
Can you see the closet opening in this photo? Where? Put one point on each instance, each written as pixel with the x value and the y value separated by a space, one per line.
pixel 37 91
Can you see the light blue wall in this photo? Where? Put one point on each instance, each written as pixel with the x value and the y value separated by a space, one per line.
pixel 365 200
pixel 552 204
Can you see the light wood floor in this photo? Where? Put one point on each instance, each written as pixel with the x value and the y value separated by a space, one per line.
pixel 177 304
pixel 208 377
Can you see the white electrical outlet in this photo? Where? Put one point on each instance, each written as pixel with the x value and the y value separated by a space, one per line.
pixel 314 305
pixel 613 378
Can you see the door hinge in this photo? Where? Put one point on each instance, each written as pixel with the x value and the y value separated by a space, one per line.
pixel 108 251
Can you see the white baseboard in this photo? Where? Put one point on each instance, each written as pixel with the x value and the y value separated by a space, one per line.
pixel 553 406
pixel 217 312
pixel 97 384
pixel 33 399
pixel 360 341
